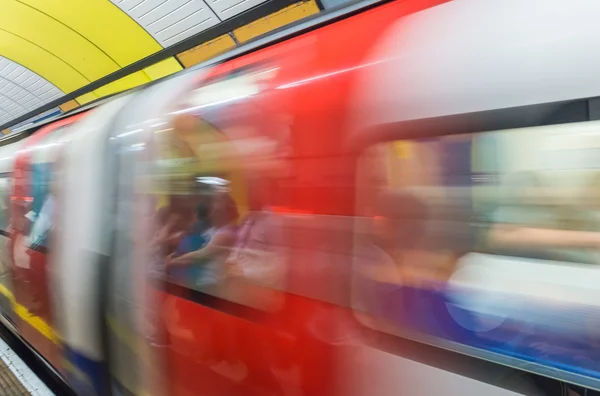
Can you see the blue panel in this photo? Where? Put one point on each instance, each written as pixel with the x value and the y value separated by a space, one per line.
pixel 86 376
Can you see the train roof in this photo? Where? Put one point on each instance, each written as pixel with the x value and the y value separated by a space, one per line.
pixel 502 62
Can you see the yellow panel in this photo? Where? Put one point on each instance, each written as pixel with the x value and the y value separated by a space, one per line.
pixel 123 84
pixel 5 131
pixel 276 20
pixel 163 68
pixel 206 51
pixel 102 23
pixel 41 62
pixel 86 98
pixel 56 38
pixel 68 106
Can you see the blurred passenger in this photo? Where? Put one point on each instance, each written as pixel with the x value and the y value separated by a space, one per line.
pixel 591 201
pixel 391 253
pixel 198 236
pixel 212 256
pixel 172 228
pixel 211 259
pixel 255 257
pixel 42 223
pixel 529 225
pixel 256 274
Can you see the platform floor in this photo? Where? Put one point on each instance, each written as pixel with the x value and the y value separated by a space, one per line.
pixel 16 378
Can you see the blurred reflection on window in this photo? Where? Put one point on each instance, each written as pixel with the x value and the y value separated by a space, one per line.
pixel 216 230
pixel 4 220
pixel 425 204
pixel 4 200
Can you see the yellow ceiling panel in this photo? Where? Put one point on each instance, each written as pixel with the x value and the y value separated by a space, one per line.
pixel 103 24
pixel 163 68
pixel 42 62
pixel 276 20
pixel 206 51
pixel 56 38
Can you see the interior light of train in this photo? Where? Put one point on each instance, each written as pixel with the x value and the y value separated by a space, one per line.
pixel 41 146
pixel 211 104
pixel 223 92
pixel 130 133
pixel 137 147
pixel 267 73
pixel 217 181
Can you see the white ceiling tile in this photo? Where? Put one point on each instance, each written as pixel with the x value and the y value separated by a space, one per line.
pixel 23 78
pixel 22 90
pixel 182 18
pixel 185 28
pixel 130 4
pixel 36 85
pixel 18 72
pixel 30 80
pixel 170 21
pixel 46 96
pixel 11 90
pixel 164 10
pixel 8 68
pixel 19 95
pixel 29 96
pixel 226 9
pixel 149 6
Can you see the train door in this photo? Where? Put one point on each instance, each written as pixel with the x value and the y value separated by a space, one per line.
pixel 7 159
pixel 217 242
pixel 32 217
pixel 134 358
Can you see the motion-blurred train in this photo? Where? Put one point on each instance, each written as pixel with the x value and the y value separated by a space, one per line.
pixel 390 198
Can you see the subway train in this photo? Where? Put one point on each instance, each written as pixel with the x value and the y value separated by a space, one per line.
pixel 392 197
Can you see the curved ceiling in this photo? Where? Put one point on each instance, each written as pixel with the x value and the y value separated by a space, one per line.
pixel 70 43
pixel 49 48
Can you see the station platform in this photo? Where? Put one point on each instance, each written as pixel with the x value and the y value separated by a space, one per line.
pixel 16 378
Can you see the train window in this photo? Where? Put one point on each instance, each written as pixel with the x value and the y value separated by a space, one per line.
pixel 215 227
pixel 32 209
pixel 41 183
pixel 486 239
pixel 5 187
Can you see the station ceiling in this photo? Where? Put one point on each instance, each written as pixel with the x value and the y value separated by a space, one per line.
pixel 49 48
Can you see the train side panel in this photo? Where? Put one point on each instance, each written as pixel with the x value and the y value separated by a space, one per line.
pixel 270 134
pixel 475 227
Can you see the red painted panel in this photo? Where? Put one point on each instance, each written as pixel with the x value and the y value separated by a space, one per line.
pixel 30 272
pixel 214 351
